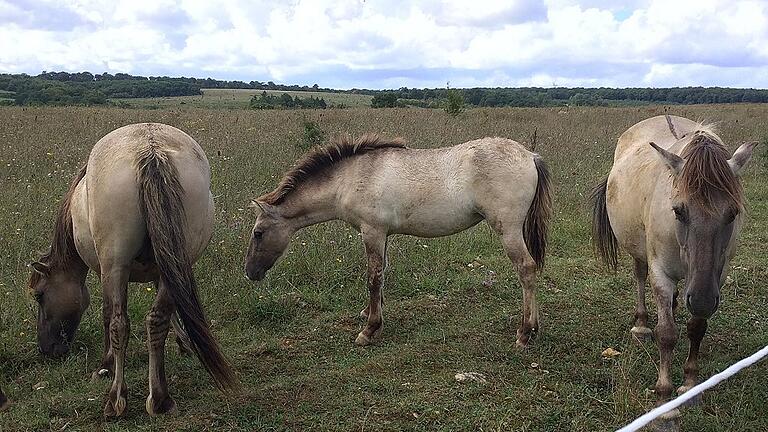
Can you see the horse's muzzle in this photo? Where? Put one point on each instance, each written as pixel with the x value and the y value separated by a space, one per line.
pixel 255 275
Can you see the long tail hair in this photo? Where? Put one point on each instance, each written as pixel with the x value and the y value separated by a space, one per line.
pixel 536 225
pixel 160 196
pixel 603 238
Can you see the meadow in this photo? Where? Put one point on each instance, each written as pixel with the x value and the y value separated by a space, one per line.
pixel 239 99
pixel 452 304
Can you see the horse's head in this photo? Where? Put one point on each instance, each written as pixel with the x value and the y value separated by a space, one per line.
pixel 62 299
pixel 707 200
pixel 269 239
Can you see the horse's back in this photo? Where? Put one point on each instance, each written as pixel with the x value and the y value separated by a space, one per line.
pixel 664 130
pixel 436 192
pixel 637 174
pixel 114 209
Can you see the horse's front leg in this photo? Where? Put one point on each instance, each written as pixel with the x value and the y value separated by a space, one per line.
pixel 115 286
pixel 697 327
pixel 665 291
pixel 158 321
pixel 376 251
pixel 107 365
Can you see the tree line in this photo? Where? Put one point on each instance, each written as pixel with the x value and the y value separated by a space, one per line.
pixel 61 88
pixel 562 96
pixel 85 88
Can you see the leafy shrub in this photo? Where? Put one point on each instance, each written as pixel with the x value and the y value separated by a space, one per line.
pixel 384 100
pixel 454 102
pixel 312 135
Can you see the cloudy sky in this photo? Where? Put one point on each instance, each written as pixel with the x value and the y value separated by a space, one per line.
pixel 395 43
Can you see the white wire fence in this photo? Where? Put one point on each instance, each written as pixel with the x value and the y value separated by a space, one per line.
pixel 695 391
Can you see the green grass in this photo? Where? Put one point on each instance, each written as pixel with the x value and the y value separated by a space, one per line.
pixel 239 99
pixel 291 337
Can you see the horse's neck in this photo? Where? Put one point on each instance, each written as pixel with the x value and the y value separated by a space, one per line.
pixel 311 205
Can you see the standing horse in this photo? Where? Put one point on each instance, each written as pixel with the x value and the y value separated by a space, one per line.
pixel 139 211
pixel 674 202
pixel 382 187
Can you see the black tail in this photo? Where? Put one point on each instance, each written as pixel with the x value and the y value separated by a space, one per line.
pixel 603 238
pixel 161 194
pixel 536 225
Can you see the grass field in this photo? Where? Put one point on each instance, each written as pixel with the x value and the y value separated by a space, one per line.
pixel 239 99
pixel 291 338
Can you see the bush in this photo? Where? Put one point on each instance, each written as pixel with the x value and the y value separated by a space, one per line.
pixel 313 135
pixel 454 103
pixel 384 100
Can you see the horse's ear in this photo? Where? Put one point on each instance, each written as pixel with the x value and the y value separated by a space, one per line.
pixel 741 156
pixel 673 161
pixel 40 268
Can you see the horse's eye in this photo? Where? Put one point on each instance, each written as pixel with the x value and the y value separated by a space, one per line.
pixel 680 214
pixel 731 216
pixel 257 235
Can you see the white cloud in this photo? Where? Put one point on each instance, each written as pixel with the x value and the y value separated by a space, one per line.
pixel 346 43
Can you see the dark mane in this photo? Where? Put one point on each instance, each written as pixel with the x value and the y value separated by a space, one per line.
pixel 706 173
pixel 323 158
pixel 62 249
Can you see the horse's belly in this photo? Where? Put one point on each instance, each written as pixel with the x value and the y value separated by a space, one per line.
pixel 143 272
pixel 435 221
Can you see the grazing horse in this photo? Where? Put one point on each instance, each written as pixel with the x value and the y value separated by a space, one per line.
pixel 139 211
pixel 674 202
pixel 381 187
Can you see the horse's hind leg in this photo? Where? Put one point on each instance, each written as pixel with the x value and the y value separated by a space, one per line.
pixel 376 252
pixel 115 283
pixel 158 322
pixel 517 251
pixel 640 330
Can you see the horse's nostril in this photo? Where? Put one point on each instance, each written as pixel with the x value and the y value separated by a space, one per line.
pixel 688 301
pixel 717 301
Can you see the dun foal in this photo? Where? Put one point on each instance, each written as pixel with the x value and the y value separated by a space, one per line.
pixel 381 187
pixel 674 202
pixel 140 211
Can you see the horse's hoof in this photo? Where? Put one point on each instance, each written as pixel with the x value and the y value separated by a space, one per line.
pixel 696 400
pixel 115 408
pixel 668 422
pixel 99 374
pixel 363 340
pixel 164 406
pixel 524 339
pixel 641 334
